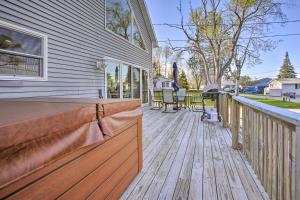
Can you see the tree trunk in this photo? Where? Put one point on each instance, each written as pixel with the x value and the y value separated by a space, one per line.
pixel 219 82
pixel 166 71
pixel 237 82
pixel 159 70
pixel 237 86
pixel 199 84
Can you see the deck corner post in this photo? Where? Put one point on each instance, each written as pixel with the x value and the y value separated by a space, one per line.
pixel 297 160
pixel 140 145
pixel 225 110
pixel 235 124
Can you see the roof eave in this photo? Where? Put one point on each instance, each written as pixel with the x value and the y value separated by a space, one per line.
pixel 148 22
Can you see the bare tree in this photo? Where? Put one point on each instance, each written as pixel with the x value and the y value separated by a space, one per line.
pixel 215 28
pixel 167 53
pixel 156 63
pixel 196 71
pixel 157 55
pixel 248 54
pixel 177 56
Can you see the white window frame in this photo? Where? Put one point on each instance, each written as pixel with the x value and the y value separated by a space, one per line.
pixel 120 75
pixel 147 70
pixel 133 16
pixel 121 63
pixel 44 55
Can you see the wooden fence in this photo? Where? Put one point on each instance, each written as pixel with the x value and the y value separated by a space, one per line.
pixel 270 140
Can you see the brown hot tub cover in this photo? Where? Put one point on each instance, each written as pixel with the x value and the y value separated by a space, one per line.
pixel 117 115
pixel 34 133
pixel 112 114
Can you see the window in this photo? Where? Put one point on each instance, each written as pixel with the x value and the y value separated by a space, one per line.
pixel 136 83
pixel 137 38
pixel 23 54
pixel 144 86
pixel 297 86
pixel 113 80
pixel 166 84
pixel 120 20
pixel 126 80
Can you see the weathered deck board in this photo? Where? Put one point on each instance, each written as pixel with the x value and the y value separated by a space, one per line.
pixel 185 158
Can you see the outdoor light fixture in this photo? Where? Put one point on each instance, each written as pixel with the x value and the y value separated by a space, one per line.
pixel 101 65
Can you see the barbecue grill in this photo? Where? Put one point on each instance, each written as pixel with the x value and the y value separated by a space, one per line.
pixel 210 92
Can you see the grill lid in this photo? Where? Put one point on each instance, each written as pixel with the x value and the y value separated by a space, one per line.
pixel 211 88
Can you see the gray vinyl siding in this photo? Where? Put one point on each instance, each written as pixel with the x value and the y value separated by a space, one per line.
pixel 76 39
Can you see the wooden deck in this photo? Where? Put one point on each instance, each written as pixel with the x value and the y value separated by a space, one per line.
pixel 185 158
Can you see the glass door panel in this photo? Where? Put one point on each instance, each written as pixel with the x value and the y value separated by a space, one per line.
pixel 136 83
pixel 126 80
pixel 144 86
pixel 113 80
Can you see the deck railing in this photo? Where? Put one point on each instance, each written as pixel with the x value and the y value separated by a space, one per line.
pixel 269 137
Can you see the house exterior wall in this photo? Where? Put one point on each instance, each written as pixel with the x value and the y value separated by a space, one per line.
pixel 275 85
pixel 159 84
pixel 275 92
pixel 290 88
pixel 76 39
pixel 274 89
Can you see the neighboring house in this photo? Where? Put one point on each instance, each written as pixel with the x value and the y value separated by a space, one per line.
pixel 258 86
pixel 163 83
pixel 262 84
pixel 75 49
pixel 278 87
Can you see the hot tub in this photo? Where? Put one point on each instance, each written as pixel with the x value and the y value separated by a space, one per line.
pixel 69 148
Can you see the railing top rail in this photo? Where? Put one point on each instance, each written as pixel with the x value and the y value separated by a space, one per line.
pixel 276 112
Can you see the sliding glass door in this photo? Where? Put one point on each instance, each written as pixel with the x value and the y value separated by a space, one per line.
pixel 125 81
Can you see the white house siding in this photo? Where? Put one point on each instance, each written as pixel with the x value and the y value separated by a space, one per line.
pixel 275 85
pixel 160 81
pixel 290 88
pixel 275 92
pixel 76 39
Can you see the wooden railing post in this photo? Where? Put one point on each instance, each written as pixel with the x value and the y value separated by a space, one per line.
pixel 235 113
pixel 140 142
pixel 229 110
pixel 297 167
pixel 221 98
pixel 225 110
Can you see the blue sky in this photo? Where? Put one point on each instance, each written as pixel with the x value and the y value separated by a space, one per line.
pixel 165 11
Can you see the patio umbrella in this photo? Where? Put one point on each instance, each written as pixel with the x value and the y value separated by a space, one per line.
pixel 175 77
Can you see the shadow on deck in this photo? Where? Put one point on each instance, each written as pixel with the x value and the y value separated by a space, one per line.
pixel 185 158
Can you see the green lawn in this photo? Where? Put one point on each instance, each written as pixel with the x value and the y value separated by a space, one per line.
pixel 281 104
pixel 256 94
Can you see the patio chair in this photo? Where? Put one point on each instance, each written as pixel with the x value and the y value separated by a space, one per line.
pixel 181 97
pixel 197 103
pixel 156 101
pixel 169 99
